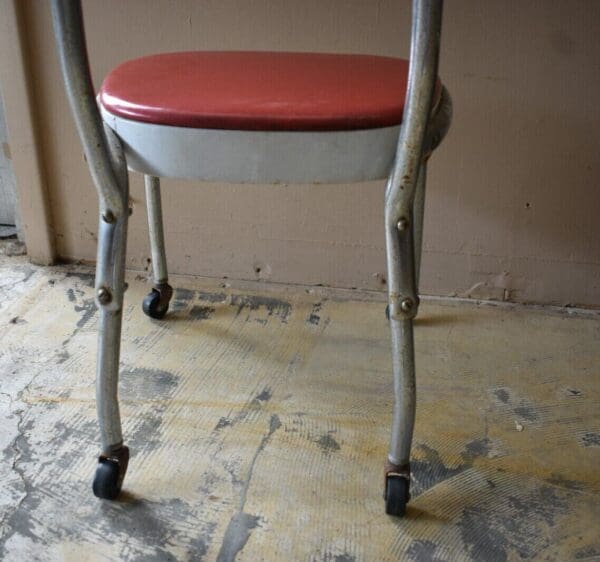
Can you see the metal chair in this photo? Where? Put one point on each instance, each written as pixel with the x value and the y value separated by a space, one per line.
pixel 374 117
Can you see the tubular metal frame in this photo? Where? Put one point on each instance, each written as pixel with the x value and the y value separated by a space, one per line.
pixel 155 230
pixel 420 133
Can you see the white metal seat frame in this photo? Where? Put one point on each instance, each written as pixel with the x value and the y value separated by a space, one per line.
pixel 111 144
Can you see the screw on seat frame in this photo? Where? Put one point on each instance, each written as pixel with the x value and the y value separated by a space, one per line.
pixel 423 126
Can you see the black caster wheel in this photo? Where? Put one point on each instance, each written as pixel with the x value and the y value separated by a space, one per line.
pixel 110 474
pixel 396 495
pixel 156 303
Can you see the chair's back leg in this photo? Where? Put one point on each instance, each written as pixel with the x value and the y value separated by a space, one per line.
pixel 156 303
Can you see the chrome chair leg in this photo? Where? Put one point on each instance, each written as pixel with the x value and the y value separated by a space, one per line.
pixel 400 243
pixel 110 287
pixel 403 305
pixel 156 303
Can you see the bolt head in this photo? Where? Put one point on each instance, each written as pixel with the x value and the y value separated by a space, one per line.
pixel 406 305
pixel 402 224
pixel 104 296
pixel 108 217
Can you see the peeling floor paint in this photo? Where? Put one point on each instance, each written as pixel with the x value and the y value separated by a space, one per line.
pixel 258 426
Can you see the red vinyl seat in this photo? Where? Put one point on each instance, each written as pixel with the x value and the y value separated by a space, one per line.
pixel 259 91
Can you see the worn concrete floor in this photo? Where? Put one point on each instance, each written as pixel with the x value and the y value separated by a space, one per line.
pixel 258 424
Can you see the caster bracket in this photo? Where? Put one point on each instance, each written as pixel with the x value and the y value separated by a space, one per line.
pixel 110 473
pixel 156 303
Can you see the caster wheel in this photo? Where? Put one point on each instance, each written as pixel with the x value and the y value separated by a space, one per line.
pixel 156 303
pixel 396 495
pixel 152 305
pixel 110 474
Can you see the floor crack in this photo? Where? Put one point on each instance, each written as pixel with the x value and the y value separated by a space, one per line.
pixel 241 524
pixel 274 425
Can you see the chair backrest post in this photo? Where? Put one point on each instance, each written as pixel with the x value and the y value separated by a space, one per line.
pixel 425 42
pixel 72 51
pixel 422 77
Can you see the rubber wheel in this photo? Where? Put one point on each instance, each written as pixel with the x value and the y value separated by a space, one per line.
pixel 106 480
pixel 396 495
pixel 152 306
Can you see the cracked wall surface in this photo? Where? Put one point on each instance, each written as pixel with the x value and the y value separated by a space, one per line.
pixel 258 424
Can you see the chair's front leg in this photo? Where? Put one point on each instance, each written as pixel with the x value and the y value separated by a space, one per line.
pixel 403 304
pixel 110 287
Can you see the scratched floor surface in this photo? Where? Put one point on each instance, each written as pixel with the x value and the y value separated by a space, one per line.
pixel 258 425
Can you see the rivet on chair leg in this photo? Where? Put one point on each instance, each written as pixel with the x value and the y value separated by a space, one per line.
pixel 402 224
pixel 108 217
pixel 406 305
pixel 104 295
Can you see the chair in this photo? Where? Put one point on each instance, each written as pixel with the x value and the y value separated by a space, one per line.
pixel 257 117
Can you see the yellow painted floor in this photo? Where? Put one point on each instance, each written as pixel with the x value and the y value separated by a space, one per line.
pixel 258 424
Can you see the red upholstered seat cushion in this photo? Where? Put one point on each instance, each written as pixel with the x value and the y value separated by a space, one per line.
pixel 263 91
